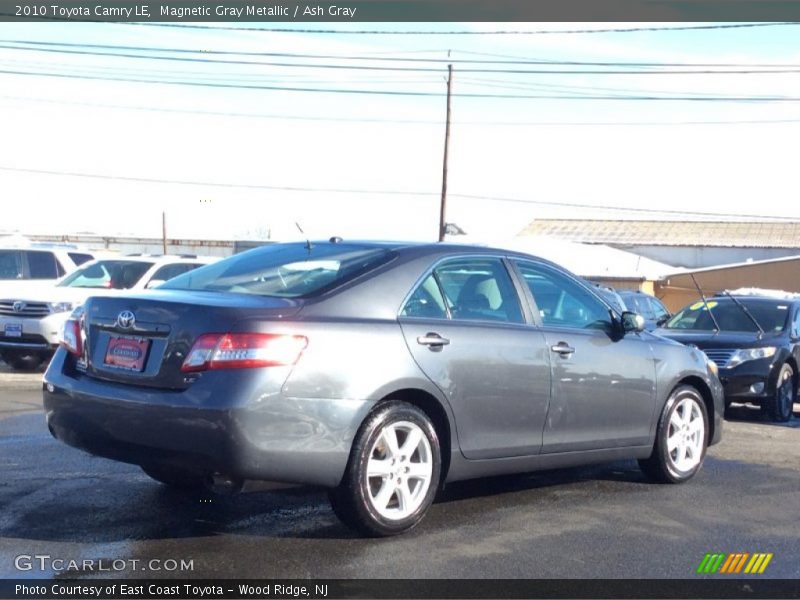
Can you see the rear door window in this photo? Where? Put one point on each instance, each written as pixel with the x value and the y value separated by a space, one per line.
pixel 426 301
pixel 479 289
pixel 43 265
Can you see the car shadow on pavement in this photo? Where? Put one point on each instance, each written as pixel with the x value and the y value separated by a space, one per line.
pixel 621 472
pixel 64 495
pixel 53 493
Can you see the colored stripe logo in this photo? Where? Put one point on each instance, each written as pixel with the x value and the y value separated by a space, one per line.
pixel 730 564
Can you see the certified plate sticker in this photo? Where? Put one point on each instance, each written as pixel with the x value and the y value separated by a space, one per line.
pixel 13 330
pixel 127 353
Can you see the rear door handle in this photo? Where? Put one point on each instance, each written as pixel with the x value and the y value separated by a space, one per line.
pixel 432 340
pixel 563 349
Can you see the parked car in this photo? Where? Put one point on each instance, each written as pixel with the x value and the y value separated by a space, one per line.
pixel 22 260
pixel 378 370
pixel 651 308
pixel 752 335
pixel 32 319
pixel 611 297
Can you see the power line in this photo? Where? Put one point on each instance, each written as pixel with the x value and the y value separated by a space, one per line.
pixel 214 113
pixel 373 58
pixel 408 93
pixel 620 208
pixel 385 192
pixel 668 71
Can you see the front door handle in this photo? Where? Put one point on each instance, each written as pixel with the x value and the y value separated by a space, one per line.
pixel 433 340
pixel 563 349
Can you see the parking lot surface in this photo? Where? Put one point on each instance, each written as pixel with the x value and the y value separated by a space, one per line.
pixel 601 521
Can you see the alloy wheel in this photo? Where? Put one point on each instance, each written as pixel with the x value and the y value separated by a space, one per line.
pixel 399 470
pixel 685 437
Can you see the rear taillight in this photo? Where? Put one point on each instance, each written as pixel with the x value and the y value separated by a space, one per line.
pixel 243 351
pixel 71 337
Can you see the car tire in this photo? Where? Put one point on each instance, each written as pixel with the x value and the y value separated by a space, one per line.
pixel 780 406
pixel 393 472
pixel 174 477
pixel 23 361
pixel 681 438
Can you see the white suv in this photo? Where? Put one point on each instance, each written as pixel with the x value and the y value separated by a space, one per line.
pixel 44 263
pixel 32 319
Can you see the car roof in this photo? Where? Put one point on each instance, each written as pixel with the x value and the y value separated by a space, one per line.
pixel 157 258
pixel 420 248
pixel 749 298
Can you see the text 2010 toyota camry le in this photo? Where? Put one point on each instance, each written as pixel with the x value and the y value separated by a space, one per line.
pixel 379 370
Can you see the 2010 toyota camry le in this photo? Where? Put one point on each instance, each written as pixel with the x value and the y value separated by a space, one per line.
pixel 379 370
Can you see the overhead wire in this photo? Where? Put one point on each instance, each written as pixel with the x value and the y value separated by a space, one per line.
pixel 204 60
pixel 373 58
pixel 436 122
pixel 408 93
pixel 637 210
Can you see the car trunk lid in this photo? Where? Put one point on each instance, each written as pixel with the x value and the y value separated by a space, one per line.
pixel 144 339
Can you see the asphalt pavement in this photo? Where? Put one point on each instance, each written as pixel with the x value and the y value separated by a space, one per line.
pixel 597 522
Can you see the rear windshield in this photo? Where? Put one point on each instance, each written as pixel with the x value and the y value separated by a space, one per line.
pixel 772 316
pixel 108 274
pixel 284 270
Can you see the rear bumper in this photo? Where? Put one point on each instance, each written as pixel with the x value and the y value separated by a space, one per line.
pixel 219 425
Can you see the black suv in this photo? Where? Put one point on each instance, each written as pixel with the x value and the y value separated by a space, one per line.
pixel 753 336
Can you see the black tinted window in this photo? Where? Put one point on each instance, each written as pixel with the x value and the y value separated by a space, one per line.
pixel 285 270
pixel 79 258
pixel 43 265
pixel 167 272
pixel 562 301
pixel 11 264
pixel 479 289
pixel 771 316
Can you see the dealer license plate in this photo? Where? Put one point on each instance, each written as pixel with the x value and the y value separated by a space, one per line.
pixel 13 330
pixel 127 353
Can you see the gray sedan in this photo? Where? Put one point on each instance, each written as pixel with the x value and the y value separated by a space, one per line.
pixel 379 370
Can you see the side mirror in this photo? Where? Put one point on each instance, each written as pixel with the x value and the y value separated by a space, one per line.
pixel 663 320
pixel 632 322
pixel 154 282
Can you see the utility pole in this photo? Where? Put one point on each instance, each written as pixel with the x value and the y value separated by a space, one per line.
pixel 443 206
pixel 164 232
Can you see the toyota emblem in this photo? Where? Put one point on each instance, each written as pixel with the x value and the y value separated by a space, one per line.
pixel 126 319
pixel 18 306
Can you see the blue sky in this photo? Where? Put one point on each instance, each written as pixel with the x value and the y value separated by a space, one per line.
pixel 370 165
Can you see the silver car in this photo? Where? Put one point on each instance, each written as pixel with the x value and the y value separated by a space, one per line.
pixel 379 370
